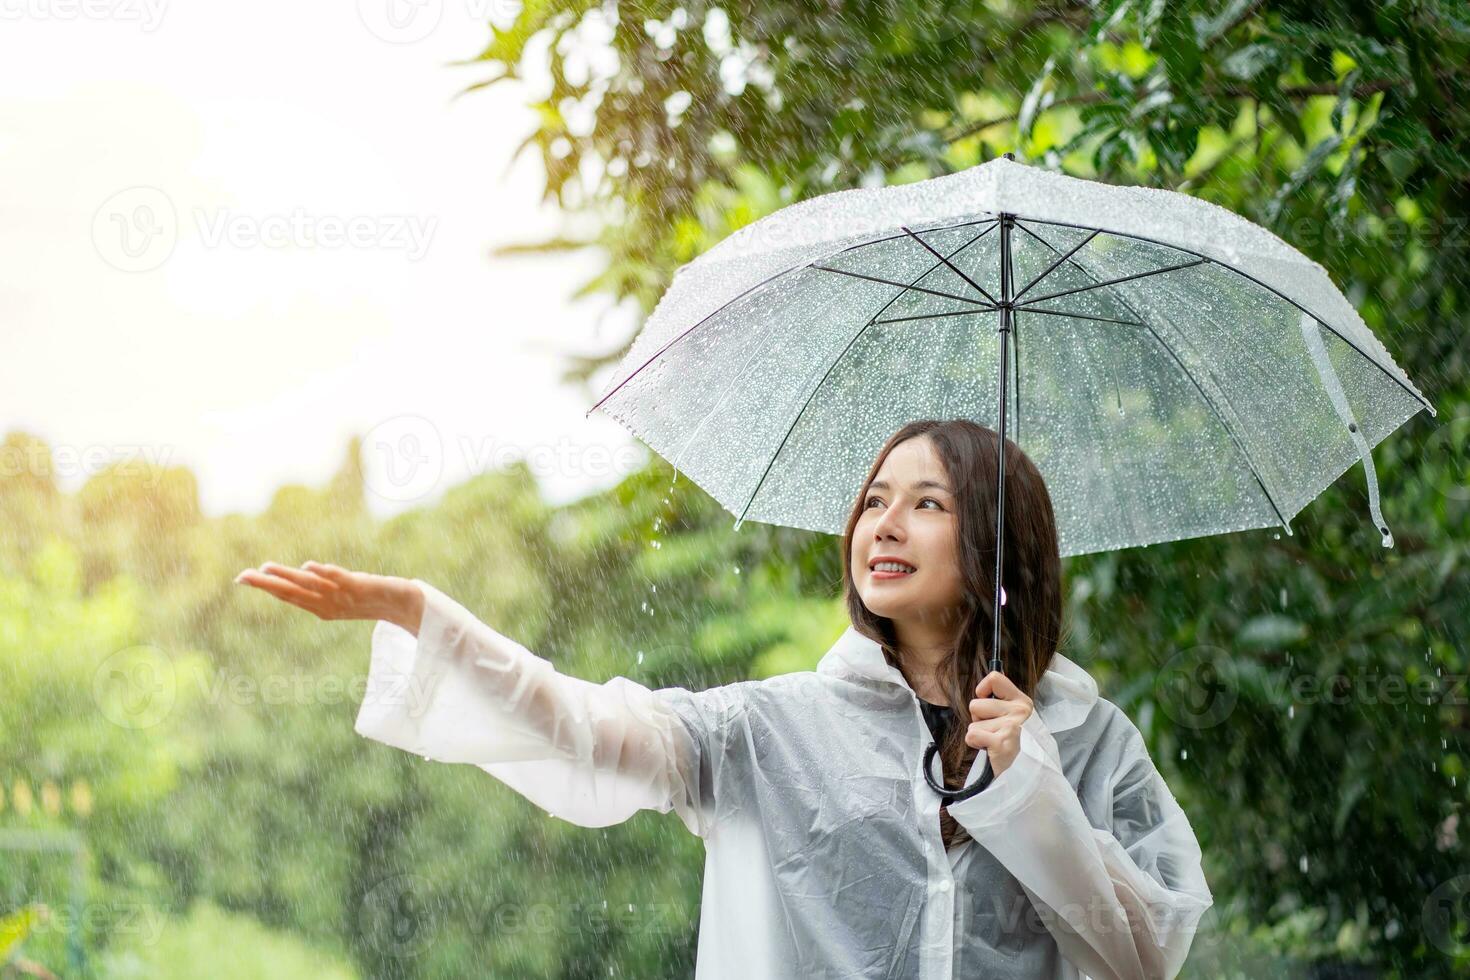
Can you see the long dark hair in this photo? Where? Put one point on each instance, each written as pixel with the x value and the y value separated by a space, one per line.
pixel 1032 622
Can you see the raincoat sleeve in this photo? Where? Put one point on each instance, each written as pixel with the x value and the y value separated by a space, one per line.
pixel 1122 902
pixel 592 754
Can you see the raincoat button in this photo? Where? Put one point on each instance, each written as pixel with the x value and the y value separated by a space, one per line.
pixel 944 885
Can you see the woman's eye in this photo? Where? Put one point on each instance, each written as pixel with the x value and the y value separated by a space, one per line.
pixel 931 500
pixel 871 501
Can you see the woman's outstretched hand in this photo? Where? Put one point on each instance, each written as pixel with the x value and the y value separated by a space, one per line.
pixel 996 720
pixel 329 592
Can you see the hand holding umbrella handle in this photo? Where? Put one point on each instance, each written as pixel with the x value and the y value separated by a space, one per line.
pixel 955 795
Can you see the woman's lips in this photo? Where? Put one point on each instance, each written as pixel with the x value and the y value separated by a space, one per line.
pixel 887 575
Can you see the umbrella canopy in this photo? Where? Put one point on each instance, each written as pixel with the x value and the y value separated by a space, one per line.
pixel 1176 370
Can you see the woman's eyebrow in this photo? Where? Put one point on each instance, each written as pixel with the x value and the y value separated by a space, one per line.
pixel 916 485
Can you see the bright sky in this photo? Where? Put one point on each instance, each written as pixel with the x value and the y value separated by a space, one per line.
pixel 235 235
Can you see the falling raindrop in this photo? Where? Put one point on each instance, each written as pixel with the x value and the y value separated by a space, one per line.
pixel 656 543
pixel 737 567
pixel 1290 709
pixel 1283 598
pixel 1303 863
pixel 640 652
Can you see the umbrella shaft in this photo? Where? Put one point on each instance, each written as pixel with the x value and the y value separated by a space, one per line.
pixel 1006 312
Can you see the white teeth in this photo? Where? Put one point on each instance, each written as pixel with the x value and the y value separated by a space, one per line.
pixel 892 566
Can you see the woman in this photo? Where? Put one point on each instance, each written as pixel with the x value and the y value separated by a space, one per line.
pixel 827 854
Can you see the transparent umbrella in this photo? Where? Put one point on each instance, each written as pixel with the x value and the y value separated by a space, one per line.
pixel 1185 371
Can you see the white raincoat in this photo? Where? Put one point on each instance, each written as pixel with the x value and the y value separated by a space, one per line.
pixel 823 856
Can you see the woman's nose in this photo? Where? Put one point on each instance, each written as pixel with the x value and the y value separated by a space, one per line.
pixel 889 524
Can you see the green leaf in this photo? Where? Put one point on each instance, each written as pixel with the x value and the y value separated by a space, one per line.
pixel 1271 631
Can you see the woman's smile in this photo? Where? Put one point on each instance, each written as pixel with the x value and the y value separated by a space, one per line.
pixel 884 568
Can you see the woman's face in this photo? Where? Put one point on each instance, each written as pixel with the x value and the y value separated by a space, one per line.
pixel 909 514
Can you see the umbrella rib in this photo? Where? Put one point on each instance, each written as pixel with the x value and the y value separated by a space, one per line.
pixel 935 316
pixel 693 327
pixel 1276 292
pixel 1229 429
pixel 973 284
pixel 772 278
pixel 757 349
pixel 1058 261
pixel 911 286
pixel 1085 316
pixel 1113 282
pixel 818 386
pixel 993 222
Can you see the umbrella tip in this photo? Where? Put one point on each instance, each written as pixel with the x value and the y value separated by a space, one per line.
pixel 1009 155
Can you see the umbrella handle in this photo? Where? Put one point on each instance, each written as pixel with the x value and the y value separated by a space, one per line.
pixel 955 795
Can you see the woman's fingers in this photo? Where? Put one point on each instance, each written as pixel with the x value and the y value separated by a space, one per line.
pixel 280 588
pixel 981 737
pixel 307 580
pixel 327 591
pixel 998 684
pixel 331 573
pixel 984 708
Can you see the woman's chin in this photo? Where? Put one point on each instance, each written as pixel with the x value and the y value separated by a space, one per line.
pixel 887 607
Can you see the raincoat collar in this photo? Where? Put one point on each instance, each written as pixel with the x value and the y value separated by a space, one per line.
pixel 1063 699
